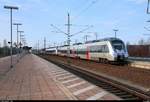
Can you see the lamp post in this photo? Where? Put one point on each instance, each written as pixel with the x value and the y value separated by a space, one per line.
pixel 11 8
pixel 115 30
pixel 148 7
pixel 21 35
pixel 17 24
pixel 20 40
pixel 96 35
pixel 86 37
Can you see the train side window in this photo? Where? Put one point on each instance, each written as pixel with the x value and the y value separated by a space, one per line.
pixel 99 48
pixel 102 48
pixel 106 50
pixel 93 49
pixel 81 51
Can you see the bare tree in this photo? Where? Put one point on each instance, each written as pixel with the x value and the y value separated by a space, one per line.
pixel 5 48
pixel 148 41
pixel 128 43
pixel 141 41
pixel 5 43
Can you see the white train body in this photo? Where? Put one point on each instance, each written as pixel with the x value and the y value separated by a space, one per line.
pixel 110 49
pixel 51 50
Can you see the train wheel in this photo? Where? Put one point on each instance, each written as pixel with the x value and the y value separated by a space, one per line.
pixel 100 60
pixel 105 61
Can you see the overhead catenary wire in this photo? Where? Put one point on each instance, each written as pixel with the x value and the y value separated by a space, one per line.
pixel 86 37
pixel 147 34
pixel 82 30
pixel 58 29
pixel 146 28
pixel 68 33
pixel 81 4
pixel 84 10
pixel 76 25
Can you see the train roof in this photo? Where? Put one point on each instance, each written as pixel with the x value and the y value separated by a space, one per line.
pixel 77 43
pixel 88 42
pixel 63 45
pixel 50 47
pixel 105 39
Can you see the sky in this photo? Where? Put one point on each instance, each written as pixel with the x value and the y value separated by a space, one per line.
pixel 128 16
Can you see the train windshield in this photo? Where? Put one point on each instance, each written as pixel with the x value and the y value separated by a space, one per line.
pixel 118 45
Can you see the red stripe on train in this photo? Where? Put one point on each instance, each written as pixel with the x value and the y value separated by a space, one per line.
pixel 87 53
pixel 73 52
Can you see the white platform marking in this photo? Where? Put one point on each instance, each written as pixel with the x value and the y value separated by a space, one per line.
pixel 54 71
pixel 62 74
pixel 83 90
pixel 77 84
pixel 65 77
pixel 70 80
pixel 97 96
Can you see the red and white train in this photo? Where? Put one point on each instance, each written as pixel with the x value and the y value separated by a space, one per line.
pixel 108 49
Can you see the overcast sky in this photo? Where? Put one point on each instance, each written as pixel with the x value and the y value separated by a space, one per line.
pixel 129 16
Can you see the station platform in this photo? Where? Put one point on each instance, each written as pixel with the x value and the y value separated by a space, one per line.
pixel 141 64
pixel 34 78
pixel 5 63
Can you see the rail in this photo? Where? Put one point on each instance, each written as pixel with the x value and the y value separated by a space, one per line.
pixel 120 89
pixel 139 58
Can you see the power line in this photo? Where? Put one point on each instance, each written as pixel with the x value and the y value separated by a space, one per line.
pixel 75 25
pixel 81 4
pixel 58 29
pixel 147 34
pixel 81 31
pixel 86 37
pixel 68 33
pixel 146 28
pixel 84 10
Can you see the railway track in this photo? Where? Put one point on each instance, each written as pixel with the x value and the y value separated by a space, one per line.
pixel 124 91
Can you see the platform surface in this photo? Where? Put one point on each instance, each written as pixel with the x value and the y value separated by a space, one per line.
pixel 34 78
pixel 141 64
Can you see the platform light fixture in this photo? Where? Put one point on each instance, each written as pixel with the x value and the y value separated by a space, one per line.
pixel 17 24
pixel 115 30
pixel 11 8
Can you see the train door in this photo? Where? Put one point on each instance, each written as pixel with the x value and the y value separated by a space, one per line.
pixel 73 52
pixel 88 53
